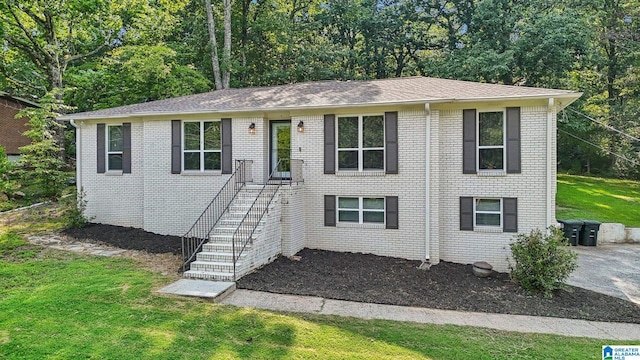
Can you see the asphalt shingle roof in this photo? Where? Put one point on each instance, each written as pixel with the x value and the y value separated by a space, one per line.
pixel 320 94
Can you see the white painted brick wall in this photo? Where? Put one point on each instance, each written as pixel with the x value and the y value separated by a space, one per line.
pixel 293 219
pixel 113 199
pixel 406 242
pixel 529 187
pixel 267 244
pixel 158 201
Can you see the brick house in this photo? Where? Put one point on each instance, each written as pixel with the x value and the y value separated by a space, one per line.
pixel 418 168
pixel 11 129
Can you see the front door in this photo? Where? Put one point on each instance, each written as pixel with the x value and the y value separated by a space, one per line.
pixel 280 149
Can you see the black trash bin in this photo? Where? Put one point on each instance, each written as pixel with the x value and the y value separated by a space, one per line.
pixel 589 233
pixel 571 229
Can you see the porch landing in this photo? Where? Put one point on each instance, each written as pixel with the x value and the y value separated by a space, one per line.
pixel 214 290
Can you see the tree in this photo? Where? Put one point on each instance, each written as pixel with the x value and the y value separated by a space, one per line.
pixel 39 165
pixel 132 74
pixel 221 72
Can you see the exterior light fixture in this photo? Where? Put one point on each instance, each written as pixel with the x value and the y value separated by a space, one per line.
pixel 252 128
pixel 301 126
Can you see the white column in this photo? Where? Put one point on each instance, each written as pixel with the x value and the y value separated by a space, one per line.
pixel 551 181
pixel 427 182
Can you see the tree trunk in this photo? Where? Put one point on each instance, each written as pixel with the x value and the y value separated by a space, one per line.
pixel 214 45
pixel 226 53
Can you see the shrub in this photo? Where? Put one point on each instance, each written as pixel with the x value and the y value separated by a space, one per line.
pixel 73 214
pixel 7 184
pixel 543 262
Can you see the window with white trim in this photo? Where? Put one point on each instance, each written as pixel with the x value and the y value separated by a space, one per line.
pixel 115 145
pixel 487 212
pixel 361 143
pixel 491 140
pixel 202 145
pixel 361 210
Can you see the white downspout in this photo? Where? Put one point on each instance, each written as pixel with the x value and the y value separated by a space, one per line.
pixel 427 183
pixel 78 156
pixel 550 178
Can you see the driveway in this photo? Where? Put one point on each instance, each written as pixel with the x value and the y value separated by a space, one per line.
pixel 609 269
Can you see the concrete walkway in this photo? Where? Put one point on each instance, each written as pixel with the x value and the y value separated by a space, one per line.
pixel 519 323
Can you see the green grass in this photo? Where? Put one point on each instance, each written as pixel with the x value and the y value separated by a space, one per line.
pixel 59 305
pixel 604 200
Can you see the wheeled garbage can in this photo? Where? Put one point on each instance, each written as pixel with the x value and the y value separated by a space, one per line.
pixel 589 233
pixel 572 229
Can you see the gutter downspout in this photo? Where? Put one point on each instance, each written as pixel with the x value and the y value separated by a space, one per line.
pixel 550 172
pixel 427 183
pixel 78 156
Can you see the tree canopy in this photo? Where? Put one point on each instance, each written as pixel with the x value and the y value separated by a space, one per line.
pixel 105 53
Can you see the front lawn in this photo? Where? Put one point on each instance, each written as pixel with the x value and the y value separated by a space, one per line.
pixel 60 305
pixel 604 200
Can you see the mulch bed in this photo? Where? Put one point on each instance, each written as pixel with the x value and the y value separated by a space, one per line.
pixel 385 280
pixel 448 286
pixel 127 238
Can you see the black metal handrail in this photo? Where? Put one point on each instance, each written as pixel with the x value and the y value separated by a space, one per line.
pixel 199 233
pixel 252 218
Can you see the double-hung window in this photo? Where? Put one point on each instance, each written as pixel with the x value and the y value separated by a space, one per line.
pixel 115 145
pixel 202 144
pixel 487 212
pixel 361 210
pixel 361 143
pixel 491 140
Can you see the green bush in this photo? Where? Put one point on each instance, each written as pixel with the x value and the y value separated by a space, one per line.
pixel 74 207
pixel 543 262
pixel 7 183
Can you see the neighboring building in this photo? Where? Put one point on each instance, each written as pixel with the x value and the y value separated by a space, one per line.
pixel 417 168
pixel 11 129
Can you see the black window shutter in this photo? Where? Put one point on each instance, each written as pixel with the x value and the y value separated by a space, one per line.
pixel 176 146
pixel 330 144
pixel 510 214
pixel 392 212
pixel 126 148
pixel 466 213
pixel 101 148
pixel 227 156
pixel 329 210
pixel 513 141
pixel 469 141
pixel 391 141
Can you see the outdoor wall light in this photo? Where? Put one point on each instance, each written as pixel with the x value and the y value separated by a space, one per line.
pixel 301 126
pixel 252 128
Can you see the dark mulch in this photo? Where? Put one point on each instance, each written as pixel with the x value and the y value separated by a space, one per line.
pixel 127 238
pixel 449 286
pixel 385 280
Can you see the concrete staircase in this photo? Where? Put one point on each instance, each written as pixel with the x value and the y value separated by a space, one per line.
pixel 215 261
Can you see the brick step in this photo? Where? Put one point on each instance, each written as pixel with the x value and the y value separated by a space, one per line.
pixel 214 266
pixel 223 247
pixel 217 256
pixel 230 229
pixel 206 275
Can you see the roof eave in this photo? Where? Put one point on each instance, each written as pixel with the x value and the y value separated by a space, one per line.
pixel 569 97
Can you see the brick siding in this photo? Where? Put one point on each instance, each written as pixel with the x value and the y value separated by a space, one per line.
pixel 158 201
pixel 11 129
